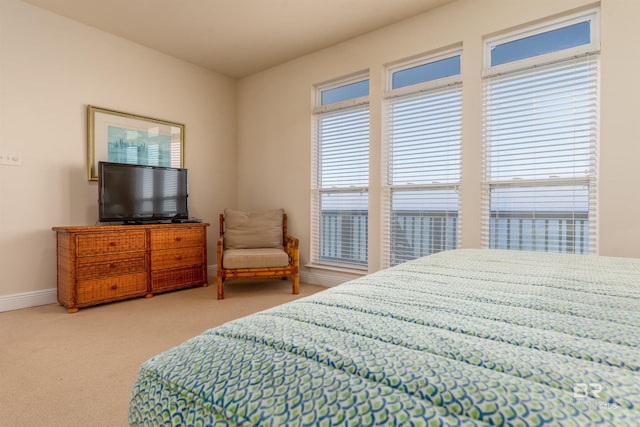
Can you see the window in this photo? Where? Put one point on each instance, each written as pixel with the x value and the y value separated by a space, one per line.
pixel 423 151
pixel 340 169
pixel 540 133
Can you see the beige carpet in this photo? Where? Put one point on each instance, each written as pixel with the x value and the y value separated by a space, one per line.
pixel 60 369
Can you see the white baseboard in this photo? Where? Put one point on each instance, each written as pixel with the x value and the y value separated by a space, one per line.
pixel 320 277
pixel 49 296
pixel 28 299
pixel 326 277
pixel 317 277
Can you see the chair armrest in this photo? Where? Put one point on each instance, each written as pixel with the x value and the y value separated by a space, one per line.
pixel 220 246
pixel 291 248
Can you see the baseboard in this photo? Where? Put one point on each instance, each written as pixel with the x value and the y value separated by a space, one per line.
pixel 28 299
pixel 320 277
pixel 326 278
pixel 49 296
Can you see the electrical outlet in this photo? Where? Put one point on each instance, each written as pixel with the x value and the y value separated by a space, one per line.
pixel 11 158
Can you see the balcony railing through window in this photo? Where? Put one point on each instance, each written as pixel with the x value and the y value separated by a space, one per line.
pixel 562 232
pixel 414 234
pixel 344 237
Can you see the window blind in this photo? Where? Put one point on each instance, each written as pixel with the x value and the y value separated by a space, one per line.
pixel 540 132
pixel 423 157
pixel 340 193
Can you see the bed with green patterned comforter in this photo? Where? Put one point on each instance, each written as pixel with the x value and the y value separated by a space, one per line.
pixel 464 337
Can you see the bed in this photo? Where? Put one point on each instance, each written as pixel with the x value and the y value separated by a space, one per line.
pixel 462 337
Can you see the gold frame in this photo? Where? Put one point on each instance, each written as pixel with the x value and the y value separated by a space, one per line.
pixel 97 121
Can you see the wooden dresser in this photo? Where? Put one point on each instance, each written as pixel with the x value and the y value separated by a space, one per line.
pixel 99 264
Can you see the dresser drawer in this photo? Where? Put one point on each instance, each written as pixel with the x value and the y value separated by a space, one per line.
pixel 90 244
pixel 111 288
pixel 177 238
pixel 110 265
pixel 181 277
pixel 172 258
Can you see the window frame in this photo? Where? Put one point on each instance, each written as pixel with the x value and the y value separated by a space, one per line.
pixel 317 191
pixel 407 93
pixel 425 86
pixel 341 105
pixel 592 16
pixel 491 73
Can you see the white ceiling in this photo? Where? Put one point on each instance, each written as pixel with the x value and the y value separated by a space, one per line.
pixel 237 37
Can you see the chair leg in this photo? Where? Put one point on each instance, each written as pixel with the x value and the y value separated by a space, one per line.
pixel 296 284
pixel 220 288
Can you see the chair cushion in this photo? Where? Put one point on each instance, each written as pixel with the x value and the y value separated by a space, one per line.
pixel 254 258
pixel 245 230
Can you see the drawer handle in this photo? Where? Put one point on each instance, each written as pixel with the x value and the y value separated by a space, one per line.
pixel 114 287
pixel 113 244
pixel 178 239
pixel 113 265
pixel 178 258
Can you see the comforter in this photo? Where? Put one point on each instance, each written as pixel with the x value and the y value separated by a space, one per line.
pixel 462 338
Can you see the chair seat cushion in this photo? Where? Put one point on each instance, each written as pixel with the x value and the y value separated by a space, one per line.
pixel 246 230
pixel 254 258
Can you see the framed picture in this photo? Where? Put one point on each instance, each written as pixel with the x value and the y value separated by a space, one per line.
pixel 114 136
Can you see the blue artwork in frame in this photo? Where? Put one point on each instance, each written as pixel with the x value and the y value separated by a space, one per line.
pixel 119 137
pixel 138 147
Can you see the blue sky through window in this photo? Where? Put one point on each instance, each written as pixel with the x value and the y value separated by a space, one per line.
pixel 426 72
pixel 345 92
pixel 539 44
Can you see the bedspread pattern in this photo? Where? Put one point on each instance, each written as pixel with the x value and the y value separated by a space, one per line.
pixel 464 337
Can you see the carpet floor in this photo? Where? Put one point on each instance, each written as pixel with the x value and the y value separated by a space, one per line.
pixel 60 369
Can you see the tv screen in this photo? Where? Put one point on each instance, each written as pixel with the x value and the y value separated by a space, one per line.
pixel 137 193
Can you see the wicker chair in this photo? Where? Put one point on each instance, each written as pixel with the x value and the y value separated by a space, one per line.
pixel 256 245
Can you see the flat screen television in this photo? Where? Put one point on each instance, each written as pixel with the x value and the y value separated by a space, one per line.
pixel 141 194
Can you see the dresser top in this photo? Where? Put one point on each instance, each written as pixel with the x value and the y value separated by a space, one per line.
pixel 127 227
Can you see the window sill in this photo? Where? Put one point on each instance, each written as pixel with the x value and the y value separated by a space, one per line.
pixel 340 269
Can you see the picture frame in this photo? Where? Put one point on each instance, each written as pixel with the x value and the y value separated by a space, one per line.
pixel 120 137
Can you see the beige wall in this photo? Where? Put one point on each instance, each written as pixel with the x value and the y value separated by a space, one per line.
pixel 620 130
pixel 275 125
pixel 50 69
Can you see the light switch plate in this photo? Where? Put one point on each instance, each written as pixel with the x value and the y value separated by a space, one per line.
pixel 11 158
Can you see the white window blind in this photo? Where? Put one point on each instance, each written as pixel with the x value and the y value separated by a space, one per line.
pixel 340 170
pixel 423 157
pixel 540 132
